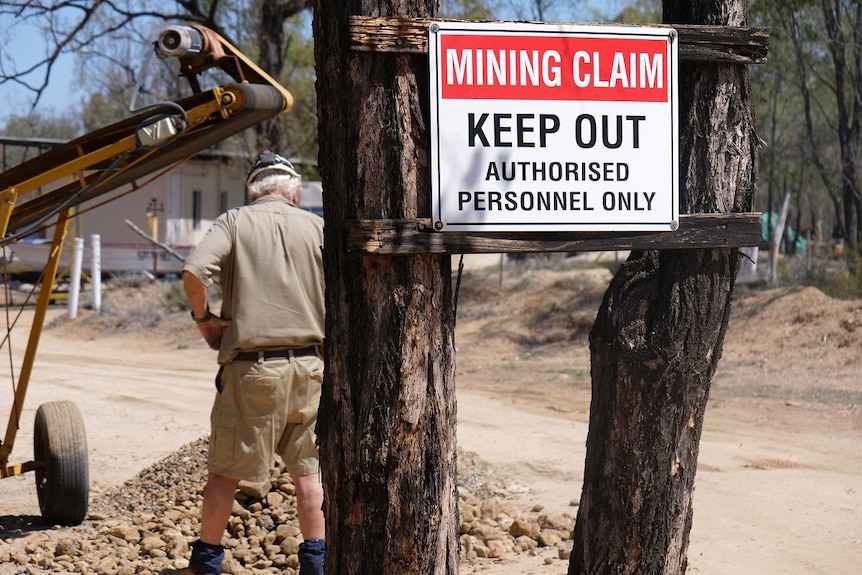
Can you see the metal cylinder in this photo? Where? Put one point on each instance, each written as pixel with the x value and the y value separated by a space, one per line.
pixel 179 41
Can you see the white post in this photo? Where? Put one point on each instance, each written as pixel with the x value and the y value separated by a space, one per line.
pixel 748 263
pixel 75 282
pixel 96 241
pixel 775 240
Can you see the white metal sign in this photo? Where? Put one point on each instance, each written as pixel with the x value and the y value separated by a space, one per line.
pixel 548 127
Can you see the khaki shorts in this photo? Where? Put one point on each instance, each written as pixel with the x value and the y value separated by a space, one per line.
pixel 266 407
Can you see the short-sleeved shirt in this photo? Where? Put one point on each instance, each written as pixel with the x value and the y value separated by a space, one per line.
pixel 268 259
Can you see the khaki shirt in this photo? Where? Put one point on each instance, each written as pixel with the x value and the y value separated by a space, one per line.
pixel 268 259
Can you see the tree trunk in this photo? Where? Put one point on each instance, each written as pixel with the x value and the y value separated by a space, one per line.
pixel 658 336
pixel 270 40
pixel 849 109
pixel 386 425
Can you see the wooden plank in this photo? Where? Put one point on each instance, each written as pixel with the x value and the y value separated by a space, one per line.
pixel 744 45
pixel 400 35
pixel 417 236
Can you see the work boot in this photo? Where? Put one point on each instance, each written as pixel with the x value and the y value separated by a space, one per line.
pixel 311 554
pixel 206 560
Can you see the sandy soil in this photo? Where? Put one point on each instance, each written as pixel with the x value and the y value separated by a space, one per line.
pixel 779 483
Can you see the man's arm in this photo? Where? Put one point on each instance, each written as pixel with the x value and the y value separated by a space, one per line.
pixel 196 293
pixel 210 326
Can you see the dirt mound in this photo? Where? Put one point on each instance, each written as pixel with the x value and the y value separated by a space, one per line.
pixel 798 337
pixel 793 343
pixel 533 307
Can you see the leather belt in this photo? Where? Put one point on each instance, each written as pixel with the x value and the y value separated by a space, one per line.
pixel 269 354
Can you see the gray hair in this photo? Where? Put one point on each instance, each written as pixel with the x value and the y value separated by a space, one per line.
pixel 275 182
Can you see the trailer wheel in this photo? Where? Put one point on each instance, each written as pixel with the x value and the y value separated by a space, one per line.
pixel 63 481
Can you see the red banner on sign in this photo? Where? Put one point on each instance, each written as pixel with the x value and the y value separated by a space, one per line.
pixel 554 68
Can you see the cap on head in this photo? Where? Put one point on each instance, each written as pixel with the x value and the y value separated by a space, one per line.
pixel 270 161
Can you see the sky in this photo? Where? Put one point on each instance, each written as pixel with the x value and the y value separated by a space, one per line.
pixel 22 44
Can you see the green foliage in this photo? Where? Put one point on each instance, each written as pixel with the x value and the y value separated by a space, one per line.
pixel 799 82
pixel 299 125
pixel 34 127
pixel 640 12
pixel 102 109
pixel 469 9
pixel 38 126
pixel 833 278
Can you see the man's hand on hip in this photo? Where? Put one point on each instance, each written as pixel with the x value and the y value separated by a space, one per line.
pixel 212 331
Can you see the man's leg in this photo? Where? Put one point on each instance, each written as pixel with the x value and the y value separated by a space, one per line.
pixel 309 506
pixel 219 494
pixel 309 509
pixel 207 552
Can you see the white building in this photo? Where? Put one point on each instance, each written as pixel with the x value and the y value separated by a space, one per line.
pixel 175 208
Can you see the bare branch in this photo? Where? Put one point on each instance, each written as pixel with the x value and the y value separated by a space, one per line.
pixel 77 27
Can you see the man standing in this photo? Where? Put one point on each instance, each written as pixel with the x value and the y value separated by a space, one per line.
pixel 269 335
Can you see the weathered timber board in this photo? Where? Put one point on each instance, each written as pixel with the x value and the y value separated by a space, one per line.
pixel 743 45
pixel 416 236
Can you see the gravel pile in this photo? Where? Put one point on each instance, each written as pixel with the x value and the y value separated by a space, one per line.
pixel 149 522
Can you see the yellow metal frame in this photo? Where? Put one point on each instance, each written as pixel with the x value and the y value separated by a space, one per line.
pixel 223 104
pixel 48 278
pixel 7 204
pixel 258 75
pixel 82 162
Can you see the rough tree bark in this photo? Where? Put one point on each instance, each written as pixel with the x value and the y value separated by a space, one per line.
pixel 659 333
pixel 387 413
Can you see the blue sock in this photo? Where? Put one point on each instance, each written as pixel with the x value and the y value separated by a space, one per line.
pixel 311 554
pixel 206 559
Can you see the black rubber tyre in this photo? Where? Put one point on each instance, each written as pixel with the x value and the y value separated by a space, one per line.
pixel 63 483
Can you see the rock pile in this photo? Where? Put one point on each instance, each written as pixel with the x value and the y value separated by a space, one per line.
pixel 148 523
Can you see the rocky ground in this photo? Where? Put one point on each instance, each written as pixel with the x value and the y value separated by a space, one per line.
pixel 146 524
